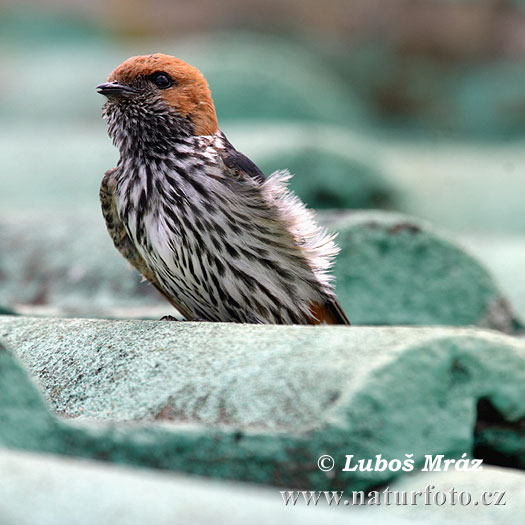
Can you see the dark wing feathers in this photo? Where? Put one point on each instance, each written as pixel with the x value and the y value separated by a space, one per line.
pixel 238 164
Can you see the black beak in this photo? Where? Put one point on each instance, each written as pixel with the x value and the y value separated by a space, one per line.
pixel 114 89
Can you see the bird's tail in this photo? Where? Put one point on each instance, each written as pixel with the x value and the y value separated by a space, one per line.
pixel 329 312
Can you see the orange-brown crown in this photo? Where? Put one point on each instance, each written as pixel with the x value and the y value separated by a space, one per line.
pixel 190 94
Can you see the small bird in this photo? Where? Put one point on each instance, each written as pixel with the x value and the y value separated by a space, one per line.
pixel 197 218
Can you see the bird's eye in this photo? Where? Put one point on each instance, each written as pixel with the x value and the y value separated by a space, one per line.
pixel 161 80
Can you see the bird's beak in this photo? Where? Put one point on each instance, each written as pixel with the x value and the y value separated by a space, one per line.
pixel 114 89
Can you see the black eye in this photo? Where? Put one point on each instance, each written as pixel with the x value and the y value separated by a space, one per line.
pixel 161 80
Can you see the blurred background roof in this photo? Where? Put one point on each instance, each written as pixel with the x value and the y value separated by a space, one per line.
pixel 416 106
pixel 453 67
pixel 396 99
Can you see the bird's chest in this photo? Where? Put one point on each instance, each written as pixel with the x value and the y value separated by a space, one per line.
pixel 166 216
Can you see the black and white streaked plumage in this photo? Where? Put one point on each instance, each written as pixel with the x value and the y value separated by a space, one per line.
pixel 197 218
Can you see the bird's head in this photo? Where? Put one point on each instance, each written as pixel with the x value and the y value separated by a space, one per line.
pixel 153 91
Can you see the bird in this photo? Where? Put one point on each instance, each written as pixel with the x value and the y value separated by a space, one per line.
pixel 199 220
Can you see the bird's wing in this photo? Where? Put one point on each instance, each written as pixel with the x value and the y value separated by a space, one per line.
pixel 121 240
pixel 238 165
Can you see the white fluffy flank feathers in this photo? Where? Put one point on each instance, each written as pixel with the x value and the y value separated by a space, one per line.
pixel 315 243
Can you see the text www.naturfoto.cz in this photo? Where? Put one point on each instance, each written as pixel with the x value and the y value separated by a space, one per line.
pixel 428 496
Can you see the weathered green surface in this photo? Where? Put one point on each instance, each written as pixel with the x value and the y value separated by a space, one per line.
pixel 393 269
pixel 67 264
pixel 255 403
pixel 24 417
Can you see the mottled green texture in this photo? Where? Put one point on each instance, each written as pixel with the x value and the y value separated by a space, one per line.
pixel 25 421
pixel 67 264
pixel 393 269
pixel 261 403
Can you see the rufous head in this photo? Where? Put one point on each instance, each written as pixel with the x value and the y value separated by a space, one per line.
pixel 150 79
